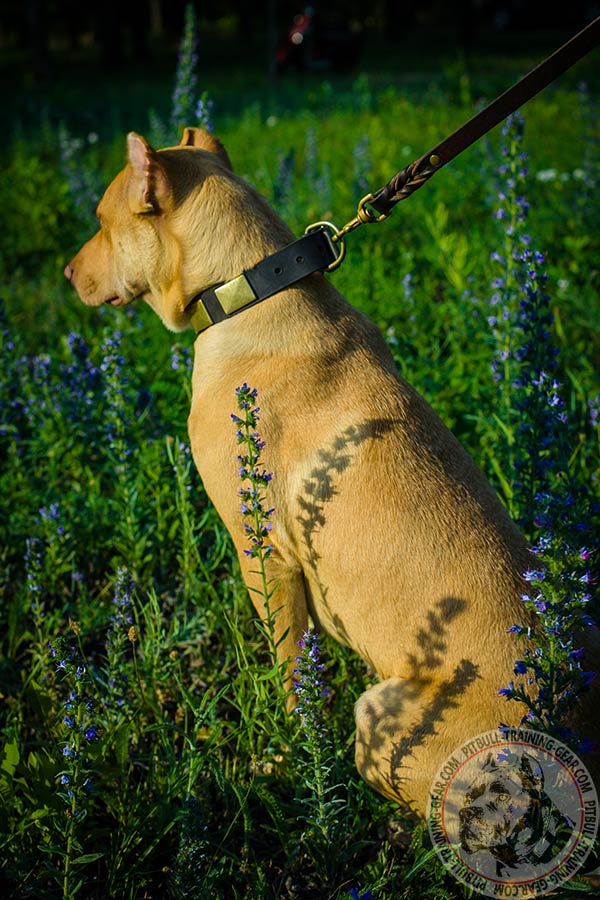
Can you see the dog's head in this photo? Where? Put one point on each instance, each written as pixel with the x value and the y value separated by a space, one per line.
pixel 172 223
pixel 505 809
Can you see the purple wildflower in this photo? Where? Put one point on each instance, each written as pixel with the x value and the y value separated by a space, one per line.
pixel 186 78
pixel 204 108
pixel 508 690
pixel 83 181
pixel 81 729
pixel 363 164
pixel 354 895
pixel 256 513
pixel 309 686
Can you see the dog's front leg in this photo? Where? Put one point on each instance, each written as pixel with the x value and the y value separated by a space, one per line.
pixel 283 610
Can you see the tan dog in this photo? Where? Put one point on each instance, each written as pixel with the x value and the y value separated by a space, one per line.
pixel 385 532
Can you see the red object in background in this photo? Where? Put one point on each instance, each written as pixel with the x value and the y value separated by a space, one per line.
pixel 309 44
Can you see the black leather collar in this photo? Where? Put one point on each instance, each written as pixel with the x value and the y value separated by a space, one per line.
pixel 313 252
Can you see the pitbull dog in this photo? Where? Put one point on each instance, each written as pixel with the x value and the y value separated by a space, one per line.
pixel 507 812
pixel 385 533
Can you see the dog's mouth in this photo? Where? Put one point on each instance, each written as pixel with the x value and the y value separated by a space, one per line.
pixel 119 301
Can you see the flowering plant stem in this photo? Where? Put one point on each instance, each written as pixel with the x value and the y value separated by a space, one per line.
pixel 327 809
pixel 545 498
pixel 256 514
pixel 75 781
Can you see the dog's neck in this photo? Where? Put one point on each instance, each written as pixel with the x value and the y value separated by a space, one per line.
pixel 314 252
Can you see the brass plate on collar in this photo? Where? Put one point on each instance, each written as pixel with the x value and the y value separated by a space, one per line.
pixel 200 319
pixel 235 294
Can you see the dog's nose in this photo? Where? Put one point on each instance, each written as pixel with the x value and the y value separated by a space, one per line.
pixel 68 272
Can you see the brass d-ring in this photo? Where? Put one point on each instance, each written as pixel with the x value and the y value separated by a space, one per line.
pixel 336 238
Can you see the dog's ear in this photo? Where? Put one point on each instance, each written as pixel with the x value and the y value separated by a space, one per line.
pixel 197 137
pixel 152 192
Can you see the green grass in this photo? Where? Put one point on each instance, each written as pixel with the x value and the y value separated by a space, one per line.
pixel 200 776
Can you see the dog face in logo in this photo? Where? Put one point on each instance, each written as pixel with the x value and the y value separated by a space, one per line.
pixel 507 812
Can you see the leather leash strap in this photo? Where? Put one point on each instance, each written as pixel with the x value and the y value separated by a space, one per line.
pixel 404 183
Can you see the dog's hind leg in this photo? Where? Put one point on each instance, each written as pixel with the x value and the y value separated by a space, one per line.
pixel 403 734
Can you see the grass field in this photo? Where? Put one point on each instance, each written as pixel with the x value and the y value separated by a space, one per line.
pixel 145 753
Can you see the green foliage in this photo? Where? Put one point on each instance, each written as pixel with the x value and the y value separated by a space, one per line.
pixel 203 786
pixel 38 207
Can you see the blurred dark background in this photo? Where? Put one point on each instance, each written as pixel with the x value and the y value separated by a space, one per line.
pixel 101 64
pixel 36 35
